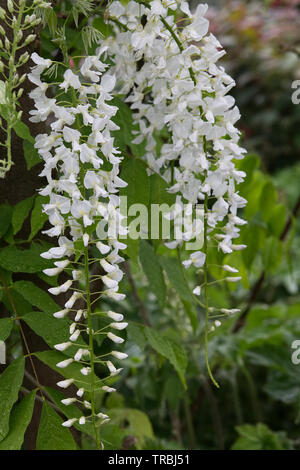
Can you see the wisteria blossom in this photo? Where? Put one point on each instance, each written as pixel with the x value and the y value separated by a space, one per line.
pixel 81 194
pixel 170 75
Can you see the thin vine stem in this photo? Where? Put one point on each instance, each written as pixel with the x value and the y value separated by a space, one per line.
pixel 205 270
pixel 91 345
pixel 9 87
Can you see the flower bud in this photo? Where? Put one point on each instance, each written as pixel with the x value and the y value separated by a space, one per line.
pixel 7 44
pixel 10 6
pixel 68 401
pixel 61 313
pixel 107 389
pixel 69 423
pixel 2 13
pixel 64 364
pixel 233 279
pixel 115 338
pixel 119 326
pixel 115 316
pixel 22 79
pixel 20 93
pixel 119 355
pixel 65 383
pixel 29 39
pixel 19 35
pixel 63 346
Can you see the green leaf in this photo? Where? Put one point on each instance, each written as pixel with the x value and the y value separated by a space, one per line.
pixel 159 191
pixel 36 296
pixel 19 420
pixel 52 330
pixel 137 191
pixel 160 202
pixel 51 358
pixel 31 154
pixel 176 277
pixel 137 335
pixel 277 219
pixel 38 218
pixel 124 136
pixel 10 382
pixel 5 218
pixel 258 437
pixel 171 350
pixel 70 411
pixel 20 213
pixel 139 424
pixel 51 19
pixel 17 260
pixel 105 28
pixel 6 325
pixel 52 435
pixel 268 200
pixel 153 271
pixel 272 254
pixel 23 131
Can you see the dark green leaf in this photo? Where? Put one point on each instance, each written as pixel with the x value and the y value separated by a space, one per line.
pixel 20 213
pixel 19 420
pixel 171 350
pixel 5 218
pixel 153 271
pixel 10 382
pixel 36 296
pixel 51 358
pixel 52 435
pixel 31 154
pixel 38 218
pixel 52 330
pixel 23 131
pixel 15 259
pixel 6 325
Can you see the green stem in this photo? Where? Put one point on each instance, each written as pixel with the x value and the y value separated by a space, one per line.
pixel 9 87
pixel 205 269
pixel 91 345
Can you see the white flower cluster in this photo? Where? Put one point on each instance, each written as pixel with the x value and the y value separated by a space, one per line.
pixel 17 24
pixel 81 165
pixel 168 70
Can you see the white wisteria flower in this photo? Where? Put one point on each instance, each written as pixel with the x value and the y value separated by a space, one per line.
pixel 82 183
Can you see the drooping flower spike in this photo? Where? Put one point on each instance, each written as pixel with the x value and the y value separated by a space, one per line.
pixel 82 195
pixel 169 72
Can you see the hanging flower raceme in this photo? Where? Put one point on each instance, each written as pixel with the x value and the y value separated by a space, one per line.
pixel 180 86
pixel 81 165
pixel 166 63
